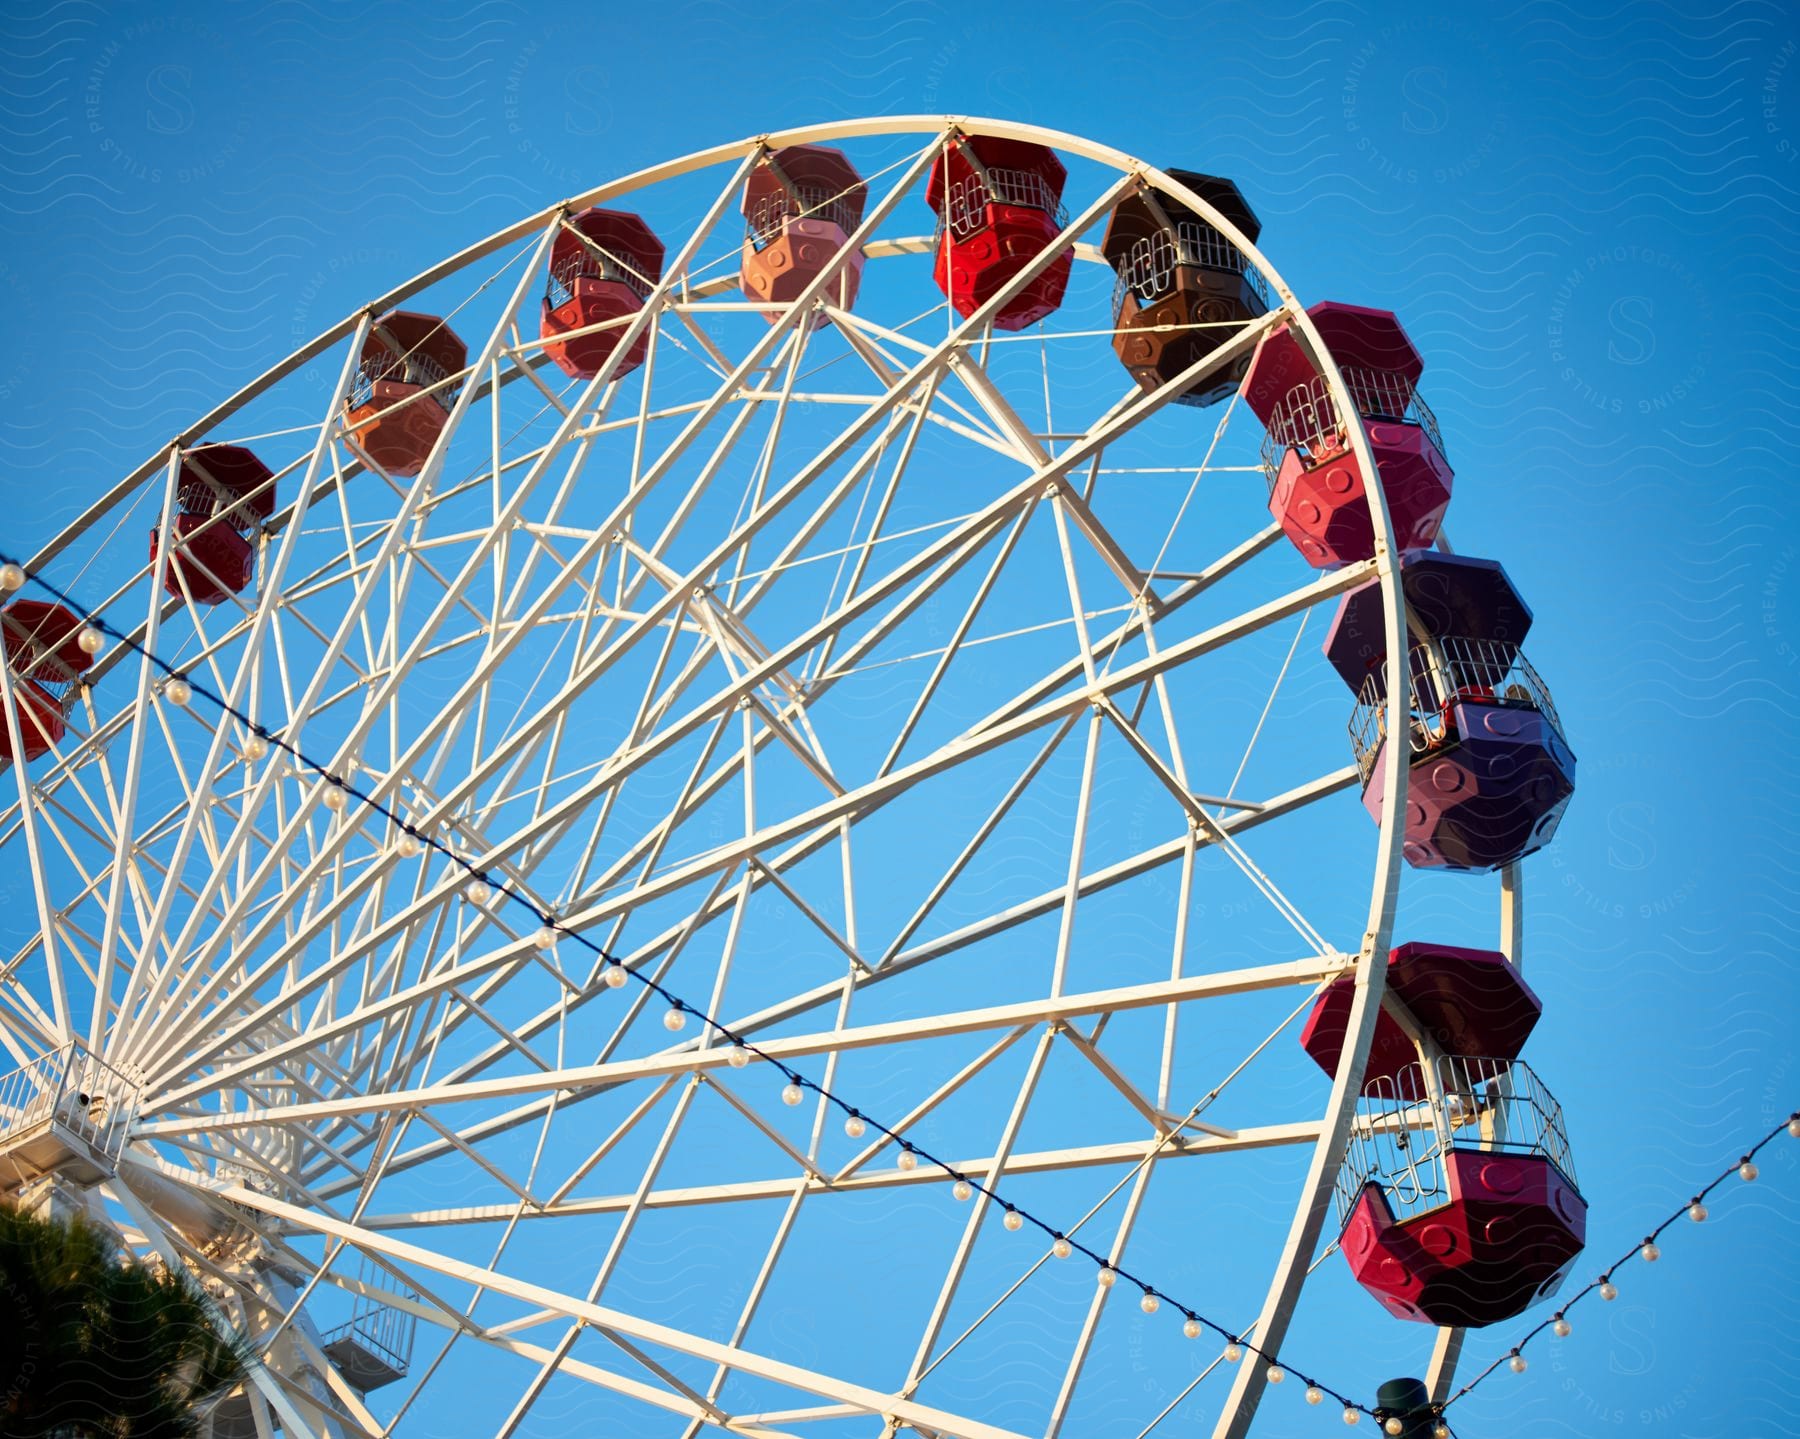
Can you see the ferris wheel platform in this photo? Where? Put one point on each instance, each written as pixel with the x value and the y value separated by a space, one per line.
pixel 64 1113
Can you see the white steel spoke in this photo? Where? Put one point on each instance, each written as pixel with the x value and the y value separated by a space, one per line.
pixel 690 1059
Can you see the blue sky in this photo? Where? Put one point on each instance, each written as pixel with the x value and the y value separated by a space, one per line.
pixel 1585 216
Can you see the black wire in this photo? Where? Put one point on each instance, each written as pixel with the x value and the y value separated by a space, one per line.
pixel 794 1076
pixel 1636 1252
pixel 675 1002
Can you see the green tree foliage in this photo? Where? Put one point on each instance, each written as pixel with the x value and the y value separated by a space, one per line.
pixel 94 1347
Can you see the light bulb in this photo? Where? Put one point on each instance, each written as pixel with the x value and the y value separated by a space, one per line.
pixel 1191 1329
pixel 962 1189
pixel 1351 1416
pixel 332 796
pixel 1650 1252
pixel 1561 1327
pixel 178 691
pixel 476 892
pixel 1609 1291
pixel 1276 1374
pixel 545 938
pixel 907 1160
pixel 1061 1248
pixel 1747 1171
pixel 673 1020
pixel 792 1094
pixel 1697 1212
pixel 1314 1394
pixel 1149 1304
pixel 1233 1352
pixel 1517 1363
pixel 408 846
pixel 1440 1431
pixel 255 747
pixel 1107 1276
pixel 737 1056
pixel 1013 1220
pixel 90 640
pixel 11 577
pixel 615 975
pixel 1393 1426
pixel 1794 1126
pixel 854 1126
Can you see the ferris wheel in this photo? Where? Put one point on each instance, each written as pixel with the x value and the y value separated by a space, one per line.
pixel 878 603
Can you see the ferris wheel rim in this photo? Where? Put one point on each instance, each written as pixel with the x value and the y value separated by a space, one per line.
pixel 696 160
pixel 1370 970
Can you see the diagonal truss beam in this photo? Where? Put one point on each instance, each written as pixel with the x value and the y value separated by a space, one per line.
pixel 862 1400
pixel 1059 1009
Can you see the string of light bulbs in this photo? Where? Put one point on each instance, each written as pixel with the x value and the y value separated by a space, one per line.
pixel 481 886
pixel 1648 1250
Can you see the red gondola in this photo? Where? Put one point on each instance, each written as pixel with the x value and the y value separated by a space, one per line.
pixel 603 265
pixel 222 495
pixel 999 204
pixel 401 401
pixel 800 205
pixel 1316 483
pixel 44 656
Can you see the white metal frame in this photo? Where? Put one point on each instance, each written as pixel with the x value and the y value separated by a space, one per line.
pixel 298 998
